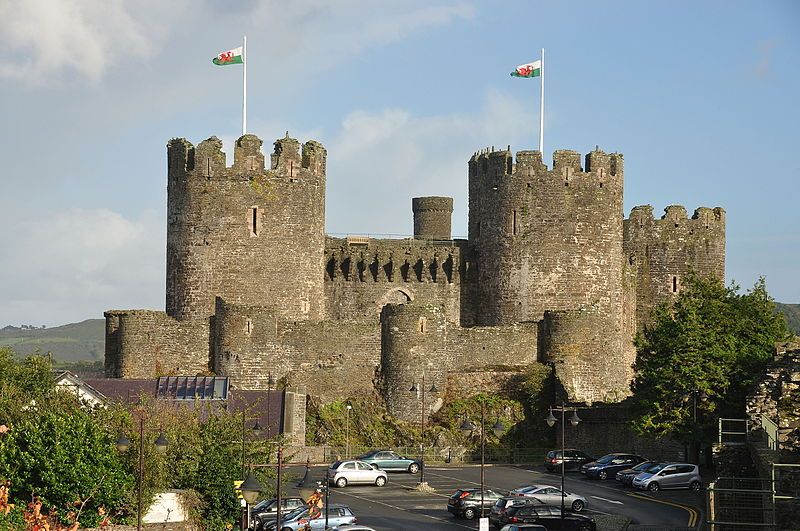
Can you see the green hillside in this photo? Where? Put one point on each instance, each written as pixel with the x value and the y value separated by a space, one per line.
pixel 84 341
pixel 792 313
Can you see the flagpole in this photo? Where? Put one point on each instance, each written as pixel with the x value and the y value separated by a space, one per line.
pixel 244 86
pixel 541 111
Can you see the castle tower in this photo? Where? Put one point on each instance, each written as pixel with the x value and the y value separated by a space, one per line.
pixel 235 232
pixel 432 217
pixel 664 251
pixel 413 342
pixel 546 239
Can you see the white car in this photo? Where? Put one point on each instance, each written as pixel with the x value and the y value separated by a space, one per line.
pixel 343 473
pixel 552 496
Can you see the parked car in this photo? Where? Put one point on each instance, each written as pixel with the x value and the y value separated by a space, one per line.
pixel 338 515
pixel 626 476
pixel 548 516
pixel 573 459
pixel 388 460
pixel 265 510
pixel 505 502
pixel 466 503
pixel 669 476
pixel 354 527
pixel 343 473
pixel 552 496
pixel 524 527
pixel 608 465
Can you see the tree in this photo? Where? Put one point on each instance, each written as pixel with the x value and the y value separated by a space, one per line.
pixel 700 356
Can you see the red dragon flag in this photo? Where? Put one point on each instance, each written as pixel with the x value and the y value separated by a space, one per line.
pixel 533 69
pixel 231 57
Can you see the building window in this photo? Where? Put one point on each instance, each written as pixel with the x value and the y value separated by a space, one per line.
pixel 674 284
pixel 423 324
pixel 249 327
pixel 514 222
pixel 253 220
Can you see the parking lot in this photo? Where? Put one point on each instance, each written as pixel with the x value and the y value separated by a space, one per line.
pixel 398 506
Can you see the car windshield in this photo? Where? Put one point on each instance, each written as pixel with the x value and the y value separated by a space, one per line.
pixel 657 468
pixel 335 465
pixel 644 466
pixel 294 514
pixel 368 454
pixel 606 459
pixel 264 505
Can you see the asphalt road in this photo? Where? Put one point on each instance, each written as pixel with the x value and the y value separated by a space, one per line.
pixel 398 507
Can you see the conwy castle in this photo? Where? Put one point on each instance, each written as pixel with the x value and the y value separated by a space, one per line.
pixel 551 272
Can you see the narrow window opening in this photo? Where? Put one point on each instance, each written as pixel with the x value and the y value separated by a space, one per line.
pixel 674 284
pixel 249 327
pixel 208 166
pixel 601 185
pixel 514 222
pixel 423 324
pixel 253 218
pixel 251 161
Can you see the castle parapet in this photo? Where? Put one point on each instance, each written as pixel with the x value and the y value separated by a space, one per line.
pixel 432 217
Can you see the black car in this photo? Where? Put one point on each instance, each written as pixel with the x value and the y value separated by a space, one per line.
pixel 626 476
pixel 608 465
pixel 466 503
pixel 266 510
pixel 548 516
pixel 505 502
pixel 573 459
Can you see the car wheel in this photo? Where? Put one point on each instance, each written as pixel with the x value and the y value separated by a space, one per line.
pixel 413 468
pixel 577 506
pixel 695 485
pixel 341 483
pixel 602 474
pixel 380 481
pixel 469 513
pixel 653 487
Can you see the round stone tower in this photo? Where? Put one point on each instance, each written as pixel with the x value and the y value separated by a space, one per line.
pixel 245 233
pixel 432 217
pixel 546 239
pixel 413 344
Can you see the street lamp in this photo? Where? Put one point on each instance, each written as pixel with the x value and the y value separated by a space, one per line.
pixel 308 485
pixel 256 429
pixel 467 428
pixel 347 432
pixel 123 444
pixel 551 421
pixel 250 489
pixel 415 389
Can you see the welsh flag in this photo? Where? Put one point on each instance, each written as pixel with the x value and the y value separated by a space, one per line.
pixel 533 69
pixel 231 57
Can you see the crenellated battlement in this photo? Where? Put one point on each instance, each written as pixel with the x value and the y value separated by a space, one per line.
pixel 675 217
pixel 209 161
pixel 392 261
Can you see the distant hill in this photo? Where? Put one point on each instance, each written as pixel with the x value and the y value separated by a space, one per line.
pixel 84 341
pixel 792 313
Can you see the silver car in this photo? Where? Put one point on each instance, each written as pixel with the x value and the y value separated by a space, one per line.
pixel 552 496
pixel 669 476
pixel 298 519
pixel 343 473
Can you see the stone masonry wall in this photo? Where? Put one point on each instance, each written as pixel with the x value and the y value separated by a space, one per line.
pixel 248 234
pixel 546 239
pixel 148 344
pixel 432 217
pixel 665 250
pixel 362 276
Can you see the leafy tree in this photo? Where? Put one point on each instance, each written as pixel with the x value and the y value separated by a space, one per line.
pixel 700 357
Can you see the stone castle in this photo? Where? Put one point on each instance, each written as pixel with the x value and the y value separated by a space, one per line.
pixel 551 272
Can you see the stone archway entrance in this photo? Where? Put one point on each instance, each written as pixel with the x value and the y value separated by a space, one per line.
pixel 395 296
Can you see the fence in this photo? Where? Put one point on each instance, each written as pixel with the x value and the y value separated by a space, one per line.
pixel 740 504
pixel 446 454
pixel 733 431
pixel 771 429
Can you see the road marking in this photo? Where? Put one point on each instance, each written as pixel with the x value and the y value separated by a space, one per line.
pixel 607 500
pixel 694 515
pixel 449 521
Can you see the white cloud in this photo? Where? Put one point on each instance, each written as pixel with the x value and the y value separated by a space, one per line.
pixel 45 37
pixel 378 161
pixel 80 263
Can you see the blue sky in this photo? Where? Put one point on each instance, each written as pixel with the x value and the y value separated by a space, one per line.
pixel 700 97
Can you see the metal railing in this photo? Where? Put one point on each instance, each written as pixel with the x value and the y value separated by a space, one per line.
pixel 771 429
pixel 447 454
pixel 740 504
pixel 733 431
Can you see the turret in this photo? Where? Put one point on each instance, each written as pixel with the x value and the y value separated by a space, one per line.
pixel 432 217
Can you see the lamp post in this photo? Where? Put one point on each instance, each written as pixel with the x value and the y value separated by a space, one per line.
pixel 574 420
pixel 270 383
pixel 467 428
pixel 415 389
pixel 308 484
pixel 347 432
pixel 122 444
pixel 278 489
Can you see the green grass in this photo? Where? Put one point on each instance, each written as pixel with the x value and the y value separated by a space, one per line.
pixel 84 341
